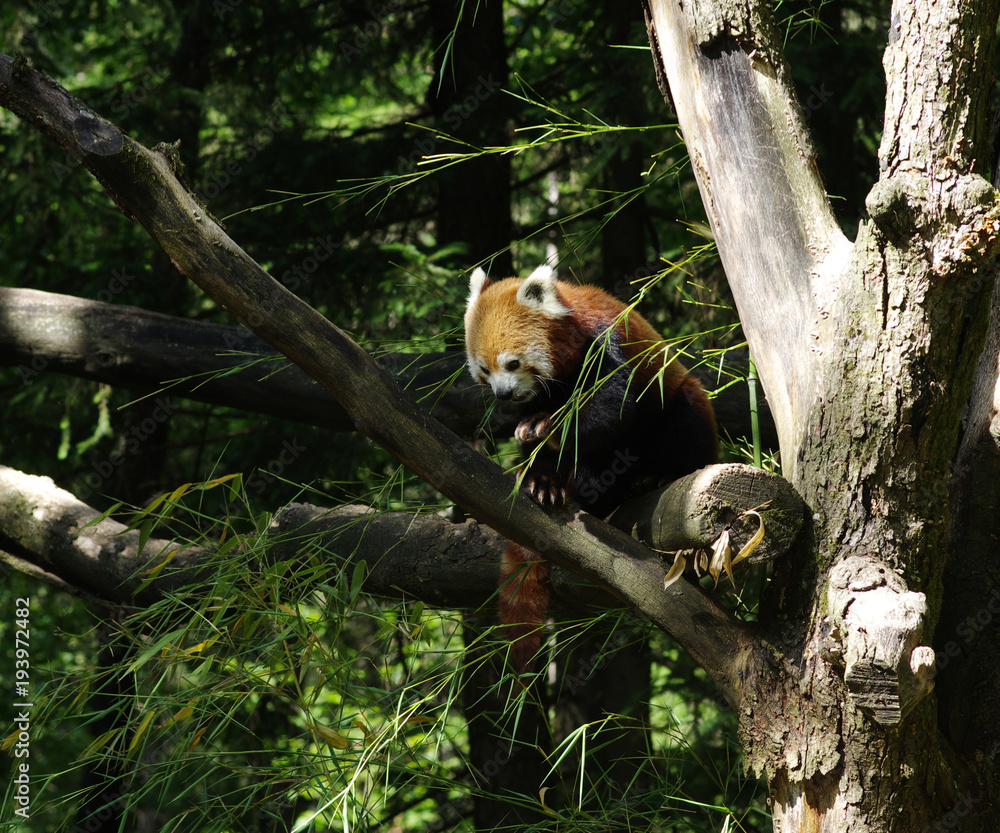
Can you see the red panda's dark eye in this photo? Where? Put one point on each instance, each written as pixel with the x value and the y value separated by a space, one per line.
pixel 513 364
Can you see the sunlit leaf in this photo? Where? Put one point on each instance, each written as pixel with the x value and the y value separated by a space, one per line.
pixel 331 736
pixel 137 738
pixel 98 743
pixel 721 553
pixel 676 570
pixel 754 542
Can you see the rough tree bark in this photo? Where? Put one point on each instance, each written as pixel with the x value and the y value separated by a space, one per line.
pixel 868 365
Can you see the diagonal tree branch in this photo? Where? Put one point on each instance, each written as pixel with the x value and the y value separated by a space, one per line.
pixel 144 185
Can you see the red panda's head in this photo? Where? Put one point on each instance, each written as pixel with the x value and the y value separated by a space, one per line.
pixel 508 332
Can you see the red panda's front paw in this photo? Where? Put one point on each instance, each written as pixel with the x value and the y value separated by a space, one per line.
pixel 549 491
pixel 534 428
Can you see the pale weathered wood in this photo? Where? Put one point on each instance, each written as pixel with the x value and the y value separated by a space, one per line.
pixel 51 529
pixel 876 629
pixel 765 201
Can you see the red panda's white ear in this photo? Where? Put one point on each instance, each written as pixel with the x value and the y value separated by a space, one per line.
pixel 477 283
pixel 544 272
pixel 538 292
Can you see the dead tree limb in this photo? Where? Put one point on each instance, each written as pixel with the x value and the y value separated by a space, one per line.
pixel 125 346
pixel 428 557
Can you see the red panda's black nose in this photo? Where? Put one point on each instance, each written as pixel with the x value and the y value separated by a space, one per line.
pixel 504 393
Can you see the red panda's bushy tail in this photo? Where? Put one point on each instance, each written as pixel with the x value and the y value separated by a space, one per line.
pixel 524 597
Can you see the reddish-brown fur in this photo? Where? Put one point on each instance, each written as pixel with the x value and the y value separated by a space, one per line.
pixel 500 319
pixel 551 344
pixel 524 598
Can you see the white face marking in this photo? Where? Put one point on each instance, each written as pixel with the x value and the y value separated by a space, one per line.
pixel 540 359
pixel 512 379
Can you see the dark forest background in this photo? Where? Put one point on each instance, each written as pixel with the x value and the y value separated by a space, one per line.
pixel 368 156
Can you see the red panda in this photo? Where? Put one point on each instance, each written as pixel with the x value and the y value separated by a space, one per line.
pixel 638 418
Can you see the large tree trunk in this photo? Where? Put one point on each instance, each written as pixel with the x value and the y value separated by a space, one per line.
pixel 867 354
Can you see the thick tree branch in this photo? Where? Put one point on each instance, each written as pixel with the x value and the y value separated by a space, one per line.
pixel 51 529
pixel 693 511
pixel 425 557
pixel 690 513
pixel 453 565
pixel 144 185
pixel 124 346
pixel 44 332
pixel 756 170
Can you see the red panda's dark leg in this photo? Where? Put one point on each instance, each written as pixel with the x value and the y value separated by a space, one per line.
pixel 543 479
pixel 690 416
pixel 524 596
